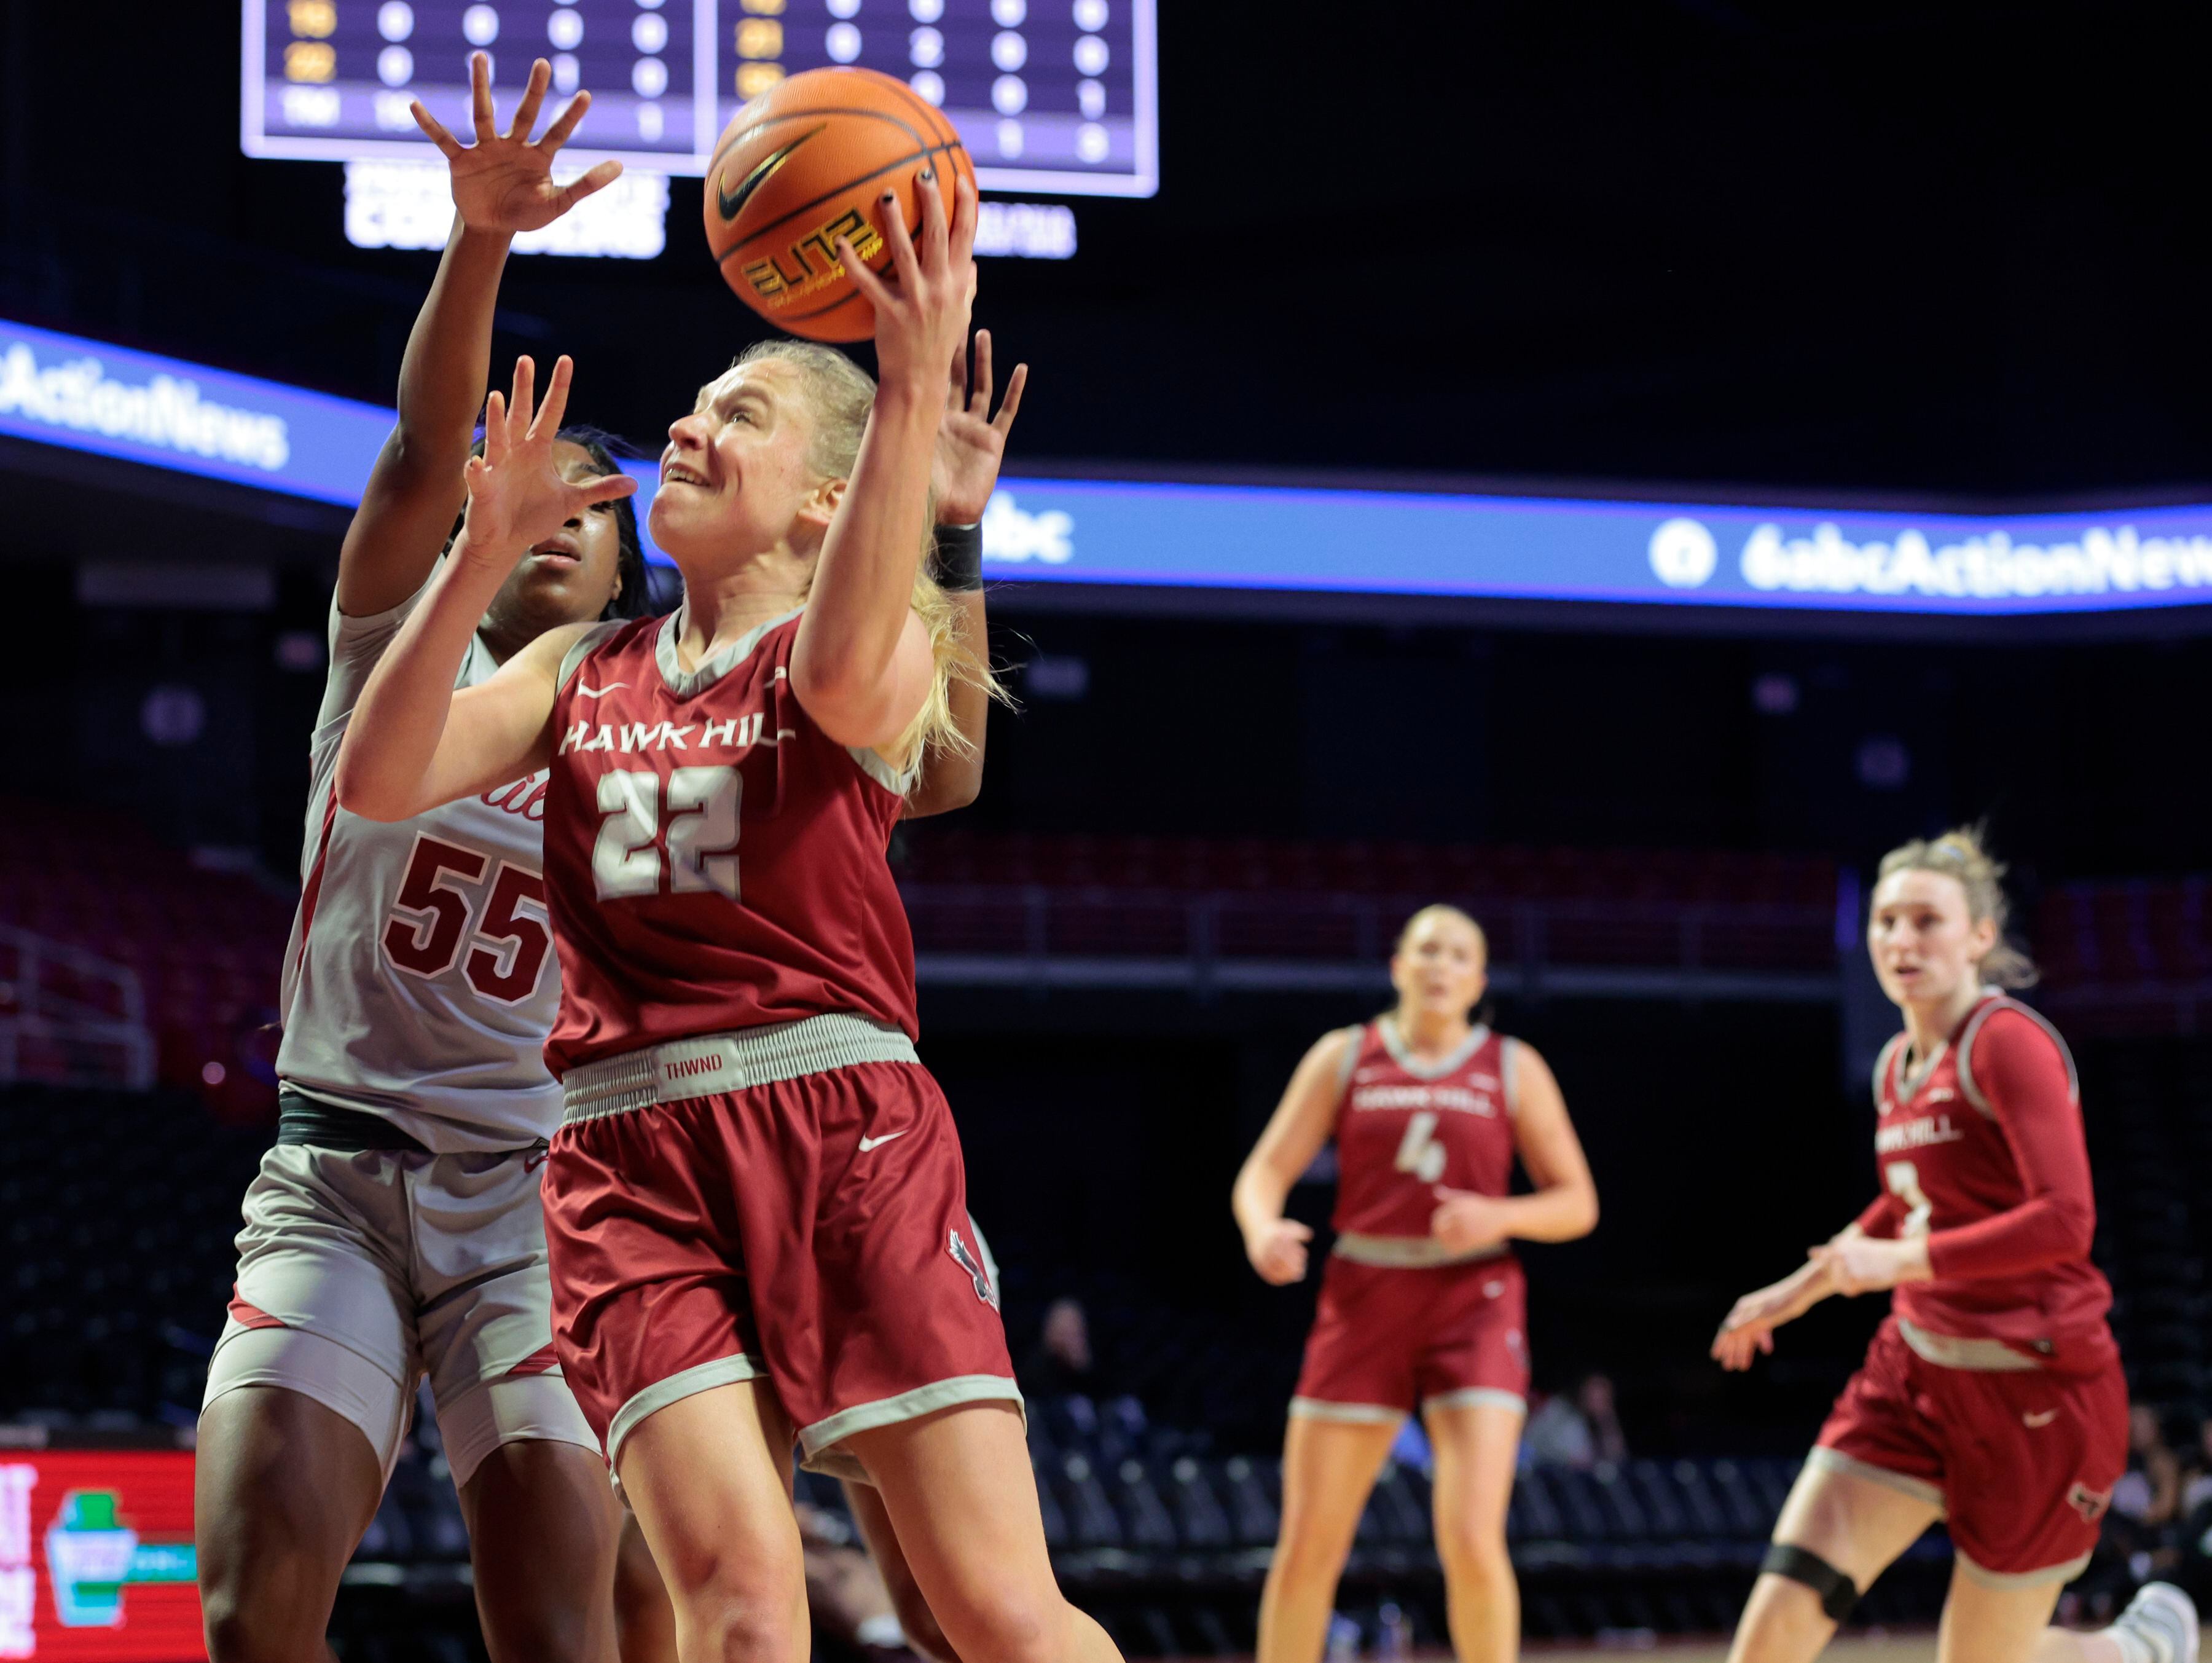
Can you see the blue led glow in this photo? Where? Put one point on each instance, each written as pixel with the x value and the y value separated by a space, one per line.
pixel 87 395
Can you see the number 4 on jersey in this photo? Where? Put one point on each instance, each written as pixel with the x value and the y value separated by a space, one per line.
pixel 1419 1152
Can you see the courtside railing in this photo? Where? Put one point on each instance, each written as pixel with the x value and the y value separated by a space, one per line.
pixel 69 1018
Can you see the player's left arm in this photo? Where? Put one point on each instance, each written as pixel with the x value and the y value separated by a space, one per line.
pixel 971 444
pixel 861 665
pixel 2024 1078
pixel 1563 1201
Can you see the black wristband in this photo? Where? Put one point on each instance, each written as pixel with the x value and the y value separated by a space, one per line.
pixel 959 558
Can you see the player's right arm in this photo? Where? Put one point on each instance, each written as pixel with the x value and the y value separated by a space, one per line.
pixel 414 742
pixel 1295 1133
pixel 1747 1331
pixel 502 184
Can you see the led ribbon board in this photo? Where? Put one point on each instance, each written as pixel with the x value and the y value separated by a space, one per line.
pixel 1061 531
pixel 84 395
pixel 87 395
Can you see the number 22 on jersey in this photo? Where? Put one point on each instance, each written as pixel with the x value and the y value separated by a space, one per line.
pixel 696 820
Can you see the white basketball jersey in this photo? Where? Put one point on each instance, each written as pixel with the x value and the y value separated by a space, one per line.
pixel 420 981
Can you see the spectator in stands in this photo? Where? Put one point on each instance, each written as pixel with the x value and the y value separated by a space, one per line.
pixel 2197 1476
pixel 1581 1429
pixel 2149 1492
pixel 1061 1365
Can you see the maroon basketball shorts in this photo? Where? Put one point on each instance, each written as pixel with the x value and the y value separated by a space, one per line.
pixel 2022 1458
pixel 1389 1339
pixel 785 1201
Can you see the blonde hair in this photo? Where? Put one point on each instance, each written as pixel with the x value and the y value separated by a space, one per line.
pixel 1959 854
pixel 840 394
pixel 1436 910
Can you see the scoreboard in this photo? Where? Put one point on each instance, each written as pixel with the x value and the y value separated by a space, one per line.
pixel 1052 95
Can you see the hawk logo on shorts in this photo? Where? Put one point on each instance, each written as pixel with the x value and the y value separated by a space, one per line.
pixel 966 1261
pixel 2089 1503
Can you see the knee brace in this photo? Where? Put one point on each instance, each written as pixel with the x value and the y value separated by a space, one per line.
pixel 1839 1594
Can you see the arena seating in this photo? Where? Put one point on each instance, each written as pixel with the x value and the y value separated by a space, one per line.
pixel 973 893
pixel 2128 957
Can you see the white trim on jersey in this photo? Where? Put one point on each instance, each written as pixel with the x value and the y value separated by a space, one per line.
pixel 686 684
pixel 1396 1045
pixel 2004 1002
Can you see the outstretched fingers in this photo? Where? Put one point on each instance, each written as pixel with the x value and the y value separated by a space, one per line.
pixel 935 237
pixel 873 287
pixel 480 97
pixel 979 395
pixel 519 401
pixel 601 175
pixel 605 488
pixel 904 260
pixel 1004 421
pixel 565 123
pixel 966 212
pixel 495 446
pixel 434 129
pixel 534 99
pixel 556 401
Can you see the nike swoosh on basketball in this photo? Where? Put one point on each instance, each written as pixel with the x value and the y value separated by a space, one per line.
pixel 868 1144
pixel 582 691
pixel 2042 1420
pixel 733 202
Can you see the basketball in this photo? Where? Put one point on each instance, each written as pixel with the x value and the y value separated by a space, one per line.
pixel 804 164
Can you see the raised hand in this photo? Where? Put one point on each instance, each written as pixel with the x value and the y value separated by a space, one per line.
pixel 1278 1252
pixel 922 308
pixel 971 443
pixel 517 497
pixel 504 182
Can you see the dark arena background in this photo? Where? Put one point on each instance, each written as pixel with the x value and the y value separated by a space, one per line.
pixel 1617 468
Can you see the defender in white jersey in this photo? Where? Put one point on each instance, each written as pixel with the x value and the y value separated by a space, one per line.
pixel 395 1232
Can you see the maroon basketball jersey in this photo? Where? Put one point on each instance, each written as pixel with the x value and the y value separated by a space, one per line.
pixel 712 859
pixel 1405 1126
pixel 1952 1155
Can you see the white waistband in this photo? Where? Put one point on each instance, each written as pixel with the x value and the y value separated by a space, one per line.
pixel 1954 1351
pixel 1409 1252
pixel 707 1065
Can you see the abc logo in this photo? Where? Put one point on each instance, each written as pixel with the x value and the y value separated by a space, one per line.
pixel 1683 554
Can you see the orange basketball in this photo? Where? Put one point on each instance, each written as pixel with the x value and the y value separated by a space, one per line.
pixel 807 162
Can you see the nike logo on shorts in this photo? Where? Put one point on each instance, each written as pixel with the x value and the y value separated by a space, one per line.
pixel 2035 1422
pixel 868 1144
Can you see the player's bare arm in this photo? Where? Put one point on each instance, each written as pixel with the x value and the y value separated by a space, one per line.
pixel 861 666
pixel 1294 1136
pixel 1563 1201
pixel 971 445
pixel 502 184
pixel 414 742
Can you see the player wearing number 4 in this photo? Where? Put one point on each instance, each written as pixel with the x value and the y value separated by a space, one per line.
pixel 755 1204
pixel 1421 1304
pixel 1992 1395
pixel 397 1228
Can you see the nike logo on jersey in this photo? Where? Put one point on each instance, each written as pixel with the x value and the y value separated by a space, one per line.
pixel 868 1144
pixel 582 691
pixel 733 202
pixel 2034 1422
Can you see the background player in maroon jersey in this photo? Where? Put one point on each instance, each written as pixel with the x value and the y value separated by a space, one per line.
pixel 1421 1304
pixel 1992 1396
pixel 737 1050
